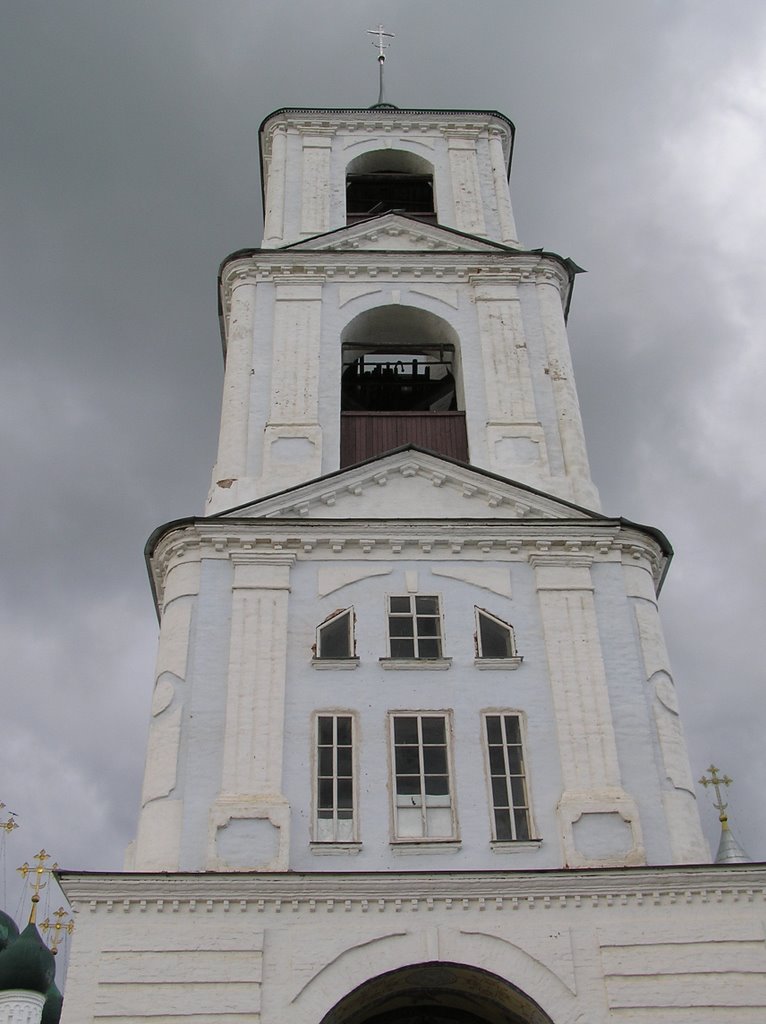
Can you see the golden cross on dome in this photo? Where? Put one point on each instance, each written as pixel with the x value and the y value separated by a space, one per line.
pixel 59 929
pixel 716 781
pixel 41 874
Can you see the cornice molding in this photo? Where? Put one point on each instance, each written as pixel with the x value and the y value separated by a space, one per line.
pixel 342 265
pixel 395 891
pixel 560 542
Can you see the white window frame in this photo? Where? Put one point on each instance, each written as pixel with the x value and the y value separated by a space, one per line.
pixel 417 639
pixel 337 834
pixel 484 661
pixel 351 658
pixel 423 800
pixel 513 806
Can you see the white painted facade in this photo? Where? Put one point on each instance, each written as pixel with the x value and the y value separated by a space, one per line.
pixel 581 900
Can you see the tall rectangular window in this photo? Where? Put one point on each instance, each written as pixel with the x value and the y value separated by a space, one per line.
pixel 414 627
pixel 334 795
pixel 423 807
pixel 510 803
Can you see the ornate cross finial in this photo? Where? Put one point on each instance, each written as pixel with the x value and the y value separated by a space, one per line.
pixel 9 825
pixel 41 873
pixel 382 47
pixel 59 929
pixel 716 781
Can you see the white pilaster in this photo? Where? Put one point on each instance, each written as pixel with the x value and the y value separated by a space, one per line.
pixel 599 821
pixel 231 464
pixel 466 185
pixel 315 190
pixel 561 374
pixel 251 783
pixel 508 233
pixel 274 216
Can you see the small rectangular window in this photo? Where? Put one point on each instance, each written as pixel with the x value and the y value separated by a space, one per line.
pixel 334 795
pixel 335 636
pixel 422 798
pixel 414 627
pixel 507 777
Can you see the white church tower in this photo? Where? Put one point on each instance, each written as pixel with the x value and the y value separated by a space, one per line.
pixel 415 750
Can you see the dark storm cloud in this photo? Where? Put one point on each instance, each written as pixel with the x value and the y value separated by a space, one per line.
pixel 130 169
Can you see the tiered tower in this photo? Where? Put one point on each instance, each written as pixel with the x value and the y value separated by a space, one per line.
pixel 412 686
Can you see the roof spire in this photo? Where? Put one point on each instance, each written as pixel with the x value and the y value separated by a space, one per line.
pixel 729 850
pixel 382 47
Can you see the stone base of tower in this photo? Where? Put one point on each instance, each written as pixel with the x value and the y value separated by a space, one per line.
pixel 670 944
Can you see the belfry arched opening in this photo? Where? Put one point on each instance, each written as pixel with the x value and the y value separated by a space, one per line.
pixel 401 383
pixel 437 993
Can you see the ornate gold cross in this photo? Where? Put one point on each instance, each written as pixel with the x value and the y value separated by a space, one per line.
pixel 59 929
pixel 716 781
pixel 10 824
pixel 42 873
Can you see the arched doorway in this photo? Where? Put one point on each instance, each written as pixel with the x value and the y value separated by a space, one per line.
pixel 437 993
pixel 400 384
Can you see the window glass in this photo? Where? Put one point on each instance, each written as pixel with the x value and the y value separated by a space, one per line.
pixel 334 779
pixel 423 802
pixel 335 636
pixel 508 786
pixel 414 627
pixel 494 638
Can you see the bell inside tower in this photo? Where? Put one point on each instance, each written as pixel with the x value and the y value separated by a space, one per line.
pixel 400 384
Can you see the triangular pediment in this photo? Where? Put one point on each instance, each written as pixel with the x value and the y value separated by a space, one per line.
pixel 410 483
pixel 395 232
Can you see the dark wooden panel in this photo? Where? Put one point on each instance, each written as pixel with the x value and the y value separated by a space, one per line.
pixel 365 434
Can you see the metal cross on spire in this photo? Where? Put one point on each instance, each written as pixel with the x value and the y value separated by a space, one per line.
pixel 382 47
pixel 716 781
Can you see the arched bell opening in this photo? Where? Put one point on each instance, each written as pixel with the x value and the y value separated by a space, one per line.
pixel 387 181
pixel 437 993
pixel 401 384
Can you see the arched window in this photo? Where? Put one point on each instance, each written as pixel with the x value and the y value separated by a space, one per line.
pixel 389 180
pixel 400 384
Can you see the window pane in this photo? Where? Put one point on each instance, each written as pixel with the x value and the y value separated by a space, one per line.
pixel 427 626
pixel 522 824
pixel 400 626
pixel 400 604
pixel 499 792
pixel 344 761
pixel 407 785
pixel 434 730
pixel 518 792
pixel 324 729
pixel 344 729
pixel 325 761
pixel 335 637
pixel 496 761
pixel 407 761
pixel 434 760
pixel 406 729
pixel 494 734
pixel 402 648
pixel 429 649
pixel 512 729
pixel 427 605
pixel 344 793
pixel 515 761
pixel 437 785
pixel 495 638
pixel 325 793
pixel 503 826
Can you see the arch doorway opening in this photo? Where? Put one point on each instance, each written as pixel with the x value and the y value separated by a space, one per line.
pixel 437 993
pixel 400 384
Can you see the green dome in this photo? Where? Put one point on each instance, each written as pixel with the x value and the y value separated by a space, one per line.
pixel 8 930
pixel 27 963
pixel 53 1003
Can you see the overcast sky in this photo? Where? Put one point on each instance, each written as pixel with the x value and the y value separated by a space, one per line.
pixel 128 134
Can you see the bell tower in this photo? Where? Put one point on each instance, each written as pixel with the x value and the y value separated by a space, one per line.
pixel 392 303
pixel 415 749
